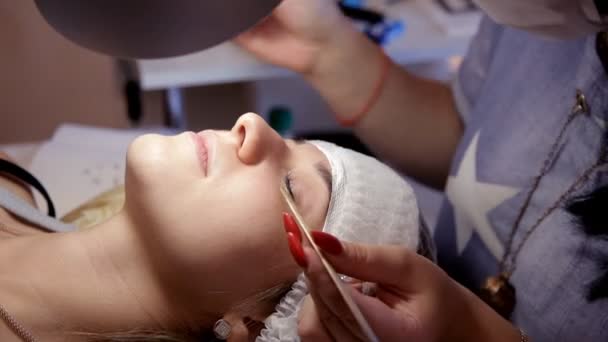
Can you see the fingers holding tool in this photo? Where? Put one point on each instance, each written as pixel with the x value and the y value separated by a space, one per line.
pixel 331 309
pixel 325 315
pixel 316 314
pixel 294 239
pixel 334 305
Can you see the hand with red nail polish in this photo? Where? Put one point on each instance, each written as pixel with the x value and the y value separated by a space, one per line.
pixel 290 225
pixel 294 240
pixel 328 243
pixel 415 300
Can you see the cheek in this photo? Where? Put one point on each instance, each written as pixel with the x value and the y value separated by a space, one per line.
pixel 248 211
pixel 260 253
pixel 236 215
pixel 243 223
pixel 235 221
pixel 243 242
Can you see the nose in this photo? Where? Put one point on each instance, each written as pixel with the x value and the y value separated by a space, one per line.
pixel 256 140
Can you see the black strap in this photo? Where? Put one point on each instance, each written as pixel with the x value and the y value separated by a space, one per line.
pixel 22 174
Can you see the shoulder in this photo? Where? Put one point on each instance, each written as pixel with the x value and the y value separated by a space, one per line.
pixel 475 66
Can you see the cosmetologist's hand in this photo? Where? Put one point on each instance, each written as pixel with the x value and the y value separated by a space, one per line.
pixel 414 299
pixel 295 34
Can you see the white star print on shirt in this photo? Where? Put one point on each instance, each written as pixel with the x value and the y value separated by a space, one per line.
pixel 472 202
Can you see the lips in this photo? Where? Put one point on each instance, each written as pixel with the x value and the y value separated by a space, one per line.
pixel 202 151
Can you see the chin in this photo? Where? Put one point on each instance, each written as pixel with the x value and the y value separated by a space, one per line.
pixel 156 171
pixel 147 156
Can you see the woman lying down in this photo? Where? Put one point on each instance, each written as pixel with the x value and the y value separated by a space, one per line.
pixel 199 248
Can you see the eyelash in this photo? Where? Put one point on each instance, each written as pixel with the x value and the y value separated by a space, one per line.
pixel 288 182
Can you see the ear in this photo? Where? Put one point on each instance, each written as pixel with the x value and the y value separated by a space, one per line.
pixel 248 321
pixel 245 330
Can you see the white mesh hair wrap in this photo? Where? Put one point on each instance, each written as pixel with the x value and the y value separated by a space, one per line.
pixel 370 203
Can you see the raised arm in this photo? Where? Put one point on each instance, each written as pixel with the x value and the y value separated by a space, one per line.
pixel 413 124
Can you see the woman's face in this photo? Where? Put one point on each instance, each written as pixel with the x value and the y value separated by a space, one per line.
pixel 209 204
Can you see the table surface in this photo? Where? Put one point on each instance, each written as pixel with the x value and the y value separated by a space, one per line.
pixel 427 38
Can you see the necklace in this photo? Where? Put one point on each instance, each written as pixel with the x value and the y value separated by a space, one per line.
pixel 11 322
pixel 15 326
pixel 498 291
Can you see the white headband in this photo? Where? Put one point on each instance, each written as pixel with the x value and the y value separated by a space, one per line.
pixel 370 203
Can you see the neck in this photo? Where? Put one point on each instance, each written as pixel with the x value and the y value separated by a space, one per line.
pixel 95 281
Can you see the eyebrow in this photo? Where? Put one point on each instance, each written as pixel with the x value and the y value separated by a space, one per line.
pixel 325 174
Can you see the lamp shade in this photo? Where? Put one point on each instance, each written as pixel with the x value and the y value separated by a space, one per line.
pixel 152 28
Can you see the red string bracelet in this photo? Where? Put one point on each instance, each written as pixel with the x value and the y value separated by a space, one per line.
pixel 377 91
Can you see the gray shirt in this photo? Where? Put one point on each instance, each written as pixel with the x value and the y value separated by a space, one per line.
pixel 515 92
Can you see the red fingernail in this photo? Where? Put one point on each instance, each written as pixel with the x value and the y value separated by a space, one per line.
pixel 327 242
pixel 295 246
pixel 291 226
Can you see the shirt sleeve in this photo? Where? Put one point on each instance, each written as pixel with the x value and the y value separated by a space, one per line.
pixel 471 76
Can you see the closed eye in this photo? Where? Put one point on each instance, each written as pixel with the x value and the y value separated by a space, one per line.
pixel 288 183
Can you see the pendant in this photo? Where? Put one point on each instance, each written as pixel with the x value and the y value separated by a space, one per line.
pixel 499 294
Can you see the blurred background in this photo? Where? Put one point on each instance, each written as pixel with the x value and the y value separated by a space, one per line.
pixel 48 84
pixel 46 80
